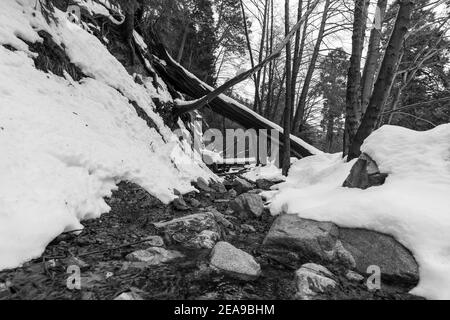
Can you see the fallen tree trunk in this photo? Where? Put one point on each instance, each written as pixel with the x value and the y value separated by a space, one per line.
pixel 186 83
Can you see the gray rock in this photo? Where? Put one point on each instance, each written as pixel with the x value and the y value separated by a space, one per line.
pixel 266 184
pixel 220 218
pixel 241 185
pixel 234 262
pixel 353 276
pixel 154 241
pixel 312 279
pixel 248 205
pixel 365 174
pixel 218 187
pixel 255 191
pixel 202 185
pixel 153 255
pixel 373 248
pixel 195 203
pixel 352 248
pixel 232 193
pixel 316 241
pixel 187 231
pixel 180 204
pixel 206 239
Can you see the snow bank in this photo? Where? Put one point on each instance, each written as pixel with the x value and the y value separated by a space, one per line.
pixel 413 205
pixel 64 145
pixel 268 172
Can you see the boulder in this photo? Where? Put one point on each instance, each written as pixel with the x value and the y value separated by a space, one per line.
pixel 234 262
pixel 312 279
pixel 248 205
pixel 153 255
pixel 325 242
pixel 365 174
pixel 368 248
pixel 241 185
pixel 187 231
pixel 313 240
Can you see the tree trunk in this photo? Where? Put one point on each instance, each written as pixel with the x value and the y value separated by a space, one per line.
pixel 329 134
pixel 353 101
pixel 373 56
pixel 385 77
pixel 249 48
pixel 297 58
pixel 257 104
pixel 286 162
pixel 299 114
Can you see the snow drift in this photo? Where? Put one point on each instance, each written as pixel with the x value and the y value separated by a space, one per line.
pixel 413 205
pixel 64 145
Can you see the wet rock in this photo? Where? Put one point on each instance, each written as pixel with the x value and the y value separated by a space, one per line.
pixel 368 248
pixel 234 262
pixel 312 279
pixel 353 276
pixel 180 204
pixel 154 241
pixel 265 184
pixel 365 174
pixel 241 185
pixel 248 205
pixel 187 230
pixel 153 255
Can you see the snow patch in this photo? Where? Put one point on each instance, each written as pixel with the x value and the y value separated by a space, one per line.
pixel 64 145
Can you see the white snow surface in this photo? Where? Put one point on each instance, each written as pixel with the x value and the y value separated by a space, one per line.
pixel 268 172
pixel 413 205
pixel 64 145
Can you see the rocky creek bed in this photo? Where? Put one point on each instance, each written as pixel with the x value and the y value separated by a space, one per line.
pixel 214 244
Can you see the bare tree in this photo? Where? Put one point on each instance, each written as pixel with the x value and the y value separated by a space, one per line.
pixel 353 102
pixel 299 114
pixel 373 55
pixel 286 161
pixel 385 77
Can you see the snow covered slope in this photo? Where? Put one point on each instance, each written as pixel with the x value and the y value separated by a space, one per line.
pixel 413 205
pixel 64 144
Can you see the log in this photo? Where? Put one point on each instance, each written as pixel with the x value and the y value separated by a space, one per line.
pixel 186 83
